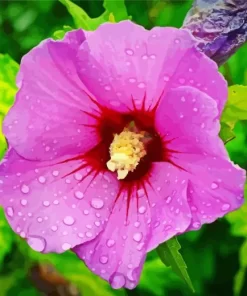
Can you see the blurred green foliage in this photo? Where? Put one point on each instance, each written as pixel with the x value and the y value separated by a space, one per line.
pixel 216 255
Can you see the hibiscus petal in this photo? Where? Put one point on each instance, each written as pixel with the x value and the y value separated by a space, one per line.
pixel 49 116
pixel 187 121
pixel 118 253
pixel 55 206
pixel 121 61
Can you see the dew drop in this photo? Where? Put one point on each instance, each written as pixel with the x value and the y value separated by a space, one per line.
pixel 137 224
pixel 10 211
pixel 66 246
pixel 79 194
pixel 129 52
pixel 78 176
pixel 42 179
pixel 23 202
pixel 117 280
pixel 168 199
pixel 107 87
pixel 97 203
pixel 54 228
pixel 225 207
pixel 89 234
pixel 46 203
pixel 196 225
pixel 110 243
pixel 115 103
pixel 137 236
pixel 68 220
pixel 195 109
pixel 86 212
pixel 97 223
pixel 132 80
pixel 55 173
pixel 36 243
pixel 166 78
pixel 214 186
pixel 141 85
pixel 142 210
pixel 103 259
pixel 24 189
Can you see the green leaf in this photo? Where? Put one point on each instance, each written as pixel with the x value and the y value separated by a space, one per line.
pixel 226 133
pixel 238 221
pixel 8 71
pixel 235 110
pixel 170 256
pixel 239 278
pixel 59 34
pixel 82 19
pixel 115 9
pixel 6 237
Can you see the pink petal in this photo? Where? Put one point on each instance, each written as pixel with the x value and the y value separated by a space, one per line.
pixel 167 195
pixel 121 61
pixel 187 120
pixel 55 206
pixel 118 253
pixel 48 118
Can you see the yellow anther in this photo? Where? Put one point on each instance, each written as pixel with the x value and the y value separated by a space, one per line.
pixel 126 151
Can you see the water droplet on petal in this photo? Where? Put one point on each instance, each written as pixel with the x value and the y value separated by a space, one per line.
pixel 110 243
pixel 195 109
pixel 225 207
pixel 117 280
pixel 168 199
pixel 79 194
pixel 141 85
pixel 129 52
pixel 10 211
pixel 24 189
pixel 97 203
pixel 89 234
pixel 66 246
pixel 115 103
pixel 54 228
pixel 46 203
pixel 137 224
pixel 214 186
pixel 132 80
pixel 78 176
pixel 142 210
pixel 36 243
pixel 196 225
pixel 68 220
pixel 103 259
pixel 137 236
pixel 23 202
pixel 55 173
pixel 166 78
pixel 42 179
pixel 97 223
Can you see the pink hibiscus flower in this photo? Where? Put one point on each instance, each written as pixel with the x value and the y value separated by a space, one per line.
pixel 114 147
